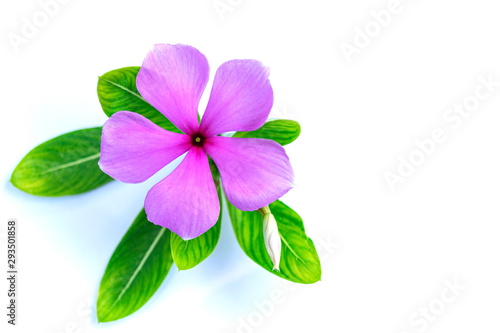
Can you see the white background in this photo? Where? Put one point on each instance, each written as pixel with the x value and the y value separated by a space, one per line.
pixel 386 254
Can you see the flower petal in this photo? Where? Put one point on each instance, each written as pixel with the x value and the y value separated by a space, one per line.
pixel 272 238
pixel 241 98
pixel 185 201
pixel 133 148
pixel 254 172
pixel 172 79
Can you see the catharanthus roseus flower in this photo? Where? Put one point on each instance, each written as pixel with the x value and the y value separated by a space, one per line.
pixel 272 239
pixel 172 79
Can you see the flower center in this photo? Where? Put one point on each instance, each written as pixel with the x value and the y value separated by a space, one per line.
pixel 197 140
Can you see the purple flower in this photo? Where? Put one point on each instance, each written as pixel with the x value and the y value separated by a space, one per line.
pixel 254 172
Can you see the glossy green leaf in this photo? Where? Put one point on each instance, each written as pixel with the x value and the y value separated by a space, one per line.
pixel 64 165
pixel 188 254
pixel 299 259
pixel 135 271
pixel 282 131
pixel 117 91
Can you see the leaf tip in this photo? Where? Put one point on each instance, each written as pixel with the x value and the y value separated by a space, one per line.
pixel 183 267
pixel 99 318
pixel 14 180
pixel 299 128
pixel 105 316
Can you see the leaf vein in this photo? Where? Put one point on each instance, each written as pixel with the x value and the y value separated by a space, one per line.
pixel 139 267
pixel 70 164
pixel 126 89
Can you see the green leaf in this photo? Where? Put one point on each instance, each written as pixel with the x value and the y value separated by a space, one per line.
pixel 135 271
pixel 188 254
pixel 299 260
pixel 117 92
pixel 64 165
pixel 282 131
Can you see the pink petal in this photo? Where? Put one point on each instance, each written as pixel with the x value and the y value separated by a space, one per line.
pixel 172 79
pixel 254 172
pixel 241 98
pixel 185 201
pixel 133 148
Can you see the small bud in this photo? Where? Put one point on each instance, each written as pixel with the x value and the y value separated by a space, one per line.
pixel 272 238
